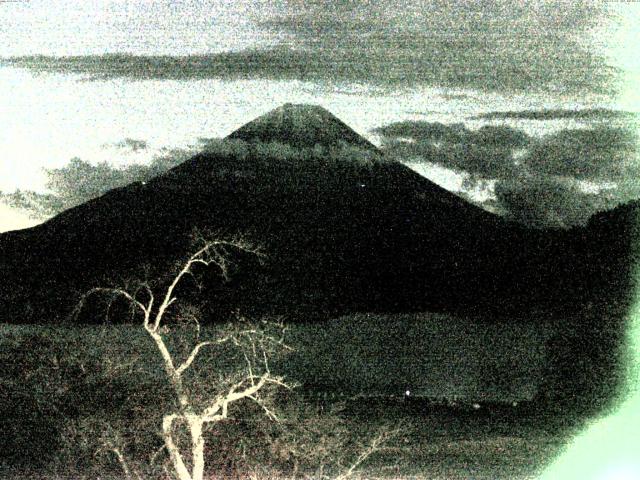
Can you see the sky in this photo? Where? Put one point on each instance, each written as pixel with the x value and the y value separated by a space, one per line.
pixel 86 79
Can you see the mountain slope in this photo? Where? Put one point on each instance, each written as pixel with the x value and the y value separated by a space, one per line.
pixel 345 229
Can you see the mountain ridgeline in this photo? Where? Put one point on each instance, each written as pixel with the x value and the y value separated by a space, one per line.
pixel 345 229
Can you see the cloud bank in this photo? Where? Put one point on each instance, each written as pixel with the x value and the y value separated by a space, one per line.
pixel 558 180
pixel 484 45
pixel 585 114
pixel 488 44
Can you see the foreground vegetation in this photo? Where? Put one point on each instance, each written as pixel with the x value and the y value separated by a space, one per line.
pixel 74 398
pixel 172 400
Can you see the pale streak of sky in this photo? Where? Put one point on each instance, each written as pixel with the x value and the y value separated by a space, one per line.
pixel 11 219
pixel 51 118
pixel 623 49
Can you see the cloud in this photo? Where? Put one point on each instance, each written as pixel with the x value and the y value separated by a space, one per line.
pixel 484 153
pixel 544 201
pixel 35 205
pixel 602 153
pixel 450 16
pixel 80 181
pixel 537 181
pixel 558 114
pixel 273 63
pixel 131 144
pixel 492 45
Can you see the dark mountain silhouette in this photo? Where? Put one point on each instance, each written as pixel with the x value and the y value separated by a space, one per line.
pixel 345 229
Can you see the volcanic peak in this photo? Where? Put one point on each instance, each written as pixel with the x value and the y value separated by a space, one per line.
pixel 301 125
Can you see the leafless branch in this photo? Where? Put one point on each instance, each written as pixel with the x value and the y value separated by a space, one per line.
pixel 194 353
pixel 270 413
pixel 208 254
pixel 155 454
pixel 124 465
pixel 115 292
pixel 375 446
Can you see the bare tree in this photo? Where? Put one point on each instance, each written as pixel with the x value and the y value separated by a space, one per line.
pixel 256 343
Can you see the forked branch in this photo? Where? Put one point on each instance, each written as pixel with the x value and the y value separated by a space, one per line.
pixel 253 342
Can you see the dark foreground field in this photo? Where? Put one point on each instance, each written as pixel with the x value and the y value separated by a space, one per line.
pixel 70 397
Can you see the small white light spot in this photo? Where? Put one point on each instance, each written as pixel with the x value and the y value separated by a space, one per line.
pixel 407 393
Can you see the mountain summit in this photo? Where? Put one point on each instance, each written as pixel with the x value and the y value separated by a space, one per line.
pixel 301 125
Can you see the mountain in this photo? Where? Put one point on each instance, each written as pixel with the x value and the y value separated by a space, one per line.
pixel 346 229
pixel 301 126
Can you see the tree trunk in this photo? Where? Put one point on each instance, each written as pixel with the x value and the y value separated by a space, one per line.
pixel 197 446
pixel 174 453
